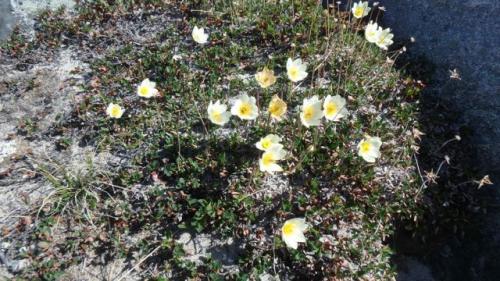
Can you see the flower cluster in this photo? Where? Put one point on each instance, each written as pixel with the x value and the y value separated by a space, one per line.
pixel 273 152
pixel 292 231
pixel 373 32
pixel 245 108
pixel 147 89
pixel 312 112
pixel 334 109
pixel 376 34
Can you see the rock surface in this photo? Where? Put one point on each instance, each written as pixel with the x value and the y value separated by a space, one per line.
pixel 21 12
pixel 199 247
pixel 413 270
pixel 462 35
pixel 7 19
pixel 31 111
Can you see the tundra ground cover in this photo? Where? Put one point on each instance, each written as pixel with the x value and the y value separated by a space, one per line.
pixel 183 174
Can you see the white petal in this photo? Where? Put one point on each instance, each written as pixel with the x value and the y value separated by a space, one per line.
pixel 376 141
pixel 270 167
pixel 369 159
pixel 274 168
pixel 300 222
pixel 278 152
pixel 300 237
pixel 274 138
pixel 289 63
pixel 235 108
pixel 301 76
pixel 259 145
pixel 290 242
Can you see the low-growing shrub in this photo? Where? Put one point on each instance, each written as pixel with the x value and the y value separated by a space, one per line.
pixel 196 136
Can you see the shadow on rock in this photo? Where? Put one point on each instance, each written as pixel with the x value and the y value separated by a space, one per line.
pixel 458 237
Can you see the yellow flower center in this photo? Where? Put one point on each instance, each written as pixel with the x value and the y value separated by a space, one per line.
pixel 266 78
pixel 266 143
pixel 274 109
pixel 308 112
pixel 217 116
pixel 331 109
pixel 365 147
pixel 288 228
pixel 268 159
pixel 293 72
pixel 245 109
pixel 144 91
pixel 115 111
pixel 277 107
pixel 382 37
pixel 358 12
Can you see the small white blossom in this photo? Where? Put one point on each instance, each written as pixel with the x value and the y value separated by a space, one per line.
pixel 199 35
pixel 296 70
pixel 369 148
pixel 360 9
pixel 311 112
pixel 292 232
pixel 218 114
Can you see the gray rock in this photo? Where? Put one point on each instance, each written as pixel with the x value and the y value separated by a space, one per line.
pixel 33 6
pixel 414 271
pixel 50 96
pixel 268 277
pixel 462 35
pixel 7 19
pixel 21 12
pixel 201 246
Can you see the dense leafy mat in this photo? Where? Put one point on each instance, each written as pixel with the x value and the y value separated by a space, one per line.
pixel 180 173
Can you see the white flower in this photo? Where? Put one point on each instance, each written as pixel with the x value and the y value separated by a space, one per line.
pixel 272 155
pixel 199 35
pixel 311 112
pixel 147 89
pixel 114 111
pixel 277 108
pixel 369 148
pixel 360 9
pixel 266 142
pixel 296 70
pixel 265 78
pixel 384 38
pixel 334 108
pixel 176 57
pixel 292 232
pixel 217 113
pixel 372 31
pixel 245 107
